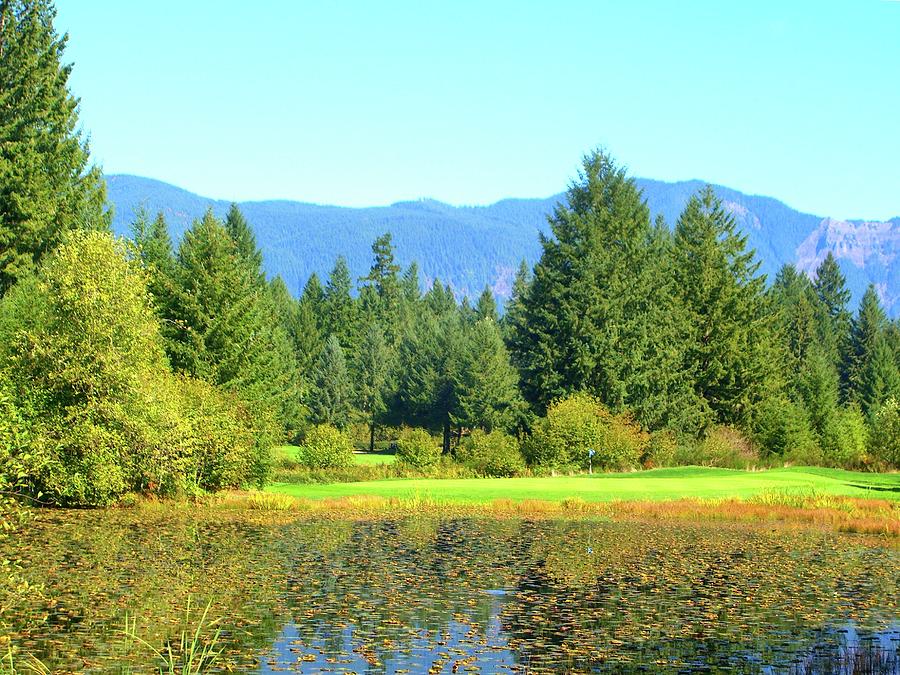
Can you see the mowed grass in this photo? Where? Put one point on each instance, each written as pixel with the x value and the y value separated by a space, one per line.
pixel 366 458
pixel 655 485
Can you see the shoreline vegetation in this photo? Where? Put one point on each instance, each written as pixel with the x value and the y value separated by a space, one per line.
pixel 834 500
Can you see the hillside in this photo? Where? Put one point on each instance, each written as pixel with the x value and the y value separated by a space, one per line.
pixel 471 246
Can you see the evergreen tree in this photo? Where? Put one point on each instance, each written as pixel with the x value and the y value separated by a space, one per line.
pixel 155 251
pixel 225 328
pixel 486 382
pixel 722 295
pixel 410 285
pixel 46 184
pixel 867 329
pixel 383 279
pixel 439 300
pixel 831 289
pixel 595 314
pixel 340 310
pixel 372 370
pixel 313 298
pixel 331 401
pixel 513 323
pixel 431 356
pixel 794 304
pixel 244 241
pixel 486 308
pixel 879 378
pixel 817 387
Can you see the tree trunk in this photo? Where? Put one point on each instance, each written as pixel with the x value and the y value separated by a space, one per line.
pixel 372 435
pixel 445 448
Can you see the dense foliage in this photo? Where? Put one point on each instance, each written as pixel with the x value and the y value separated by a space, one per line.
pixel 161 368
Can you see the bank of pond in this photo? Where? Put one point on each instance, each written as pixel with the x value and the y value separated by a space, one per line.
pixel 267 590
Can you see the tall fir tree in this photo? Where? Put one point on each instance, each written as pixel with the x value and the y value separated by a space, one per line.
pixel 486 382
pixel 244 241
pixel 513 322
pixel 716 277
pixel 339 306
pixel 372 370
pixel 867 331
pixel 486 307
pixel 595 316
pixel 46 184
pixel 384 282
pixel 831 289
pixel 224 328
pixel 431 356
pixel 156 253
pixel 331 402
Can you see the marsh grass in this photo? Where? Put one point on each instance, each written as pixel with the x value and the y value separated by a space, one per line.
pixel 193 653
pixel 795 508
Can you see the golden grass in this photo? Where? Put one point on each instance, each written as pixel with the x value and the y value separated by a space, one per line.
pixel 842 514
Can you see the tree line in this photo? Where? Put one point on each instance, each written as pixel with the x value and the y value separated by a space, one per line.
pixel 157 366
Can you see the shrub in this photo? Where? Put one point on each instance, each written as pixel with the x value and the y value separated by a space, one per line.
pixel 722 446
pixel 325 447
pixel 844 439
pixel 660 449
pixel 491 454
pixel 579 423
pixel 885 436
pixel 782 428
pixel 417 448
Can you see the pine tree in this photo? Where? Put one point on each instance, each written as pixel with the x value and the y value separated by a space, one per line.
pixel 797 314
pixel 439 300
pixel 332 392
pixel 225 328
pixel 155 251
pixel 244 240
pixel 513 322
pixel 372 369
pixel 817 387
pixel 46 184
pixel 879 378
pixel 831 289
pixel 383 279
pixel 595 315
pixel 340 310
pixel 720 290
pixel 486 308
pixel 486 382
pixel 867 330
pixel 431 356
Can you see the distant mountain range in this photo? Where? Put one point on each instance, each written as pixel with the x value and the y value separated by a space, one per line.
pixel 470 247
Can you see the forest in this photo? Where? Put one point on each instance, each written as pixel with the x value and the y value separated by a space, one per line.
pixel 157 367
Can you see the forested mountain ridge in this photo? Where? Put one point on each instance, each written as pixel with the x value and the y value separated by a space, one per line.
pixel 473 246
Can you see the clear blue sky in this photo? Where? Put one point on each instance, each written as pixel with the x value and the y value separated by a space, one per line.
pixel 362 103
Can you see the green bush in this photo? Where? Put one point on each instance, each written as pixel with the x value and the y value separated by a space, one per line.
pixel 104 414
pixel 325 447
pixel 885 434
pixel 491 454
pixel 660 450
pixel 579 423
pixel 845 439
pixel 782 429
pixel 721 446
pixel 417 448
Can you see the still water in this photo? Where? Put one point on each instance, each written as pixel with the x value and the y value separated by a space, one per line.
pixel 455 595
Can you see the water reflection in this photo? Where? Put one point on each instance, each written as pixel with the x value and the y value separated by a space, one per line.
pixel 458 595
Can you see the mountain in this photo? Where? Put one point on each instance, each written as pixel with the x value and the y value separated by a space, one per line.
pixel 473 246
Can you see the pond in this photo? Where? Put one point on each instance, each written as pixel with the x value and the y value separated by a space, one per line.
pixel 453 595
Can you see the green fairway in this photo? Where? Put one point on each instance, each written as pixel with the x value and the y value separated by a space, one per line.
pixel 368 458
pixel 659 484
pixel 373 458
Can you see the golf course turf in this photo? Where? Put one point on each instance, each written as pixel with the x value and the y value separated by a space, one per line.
pixel 654 485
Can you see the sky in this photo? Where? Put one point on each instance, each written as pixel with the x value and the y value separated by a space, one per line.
pixel 368 103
